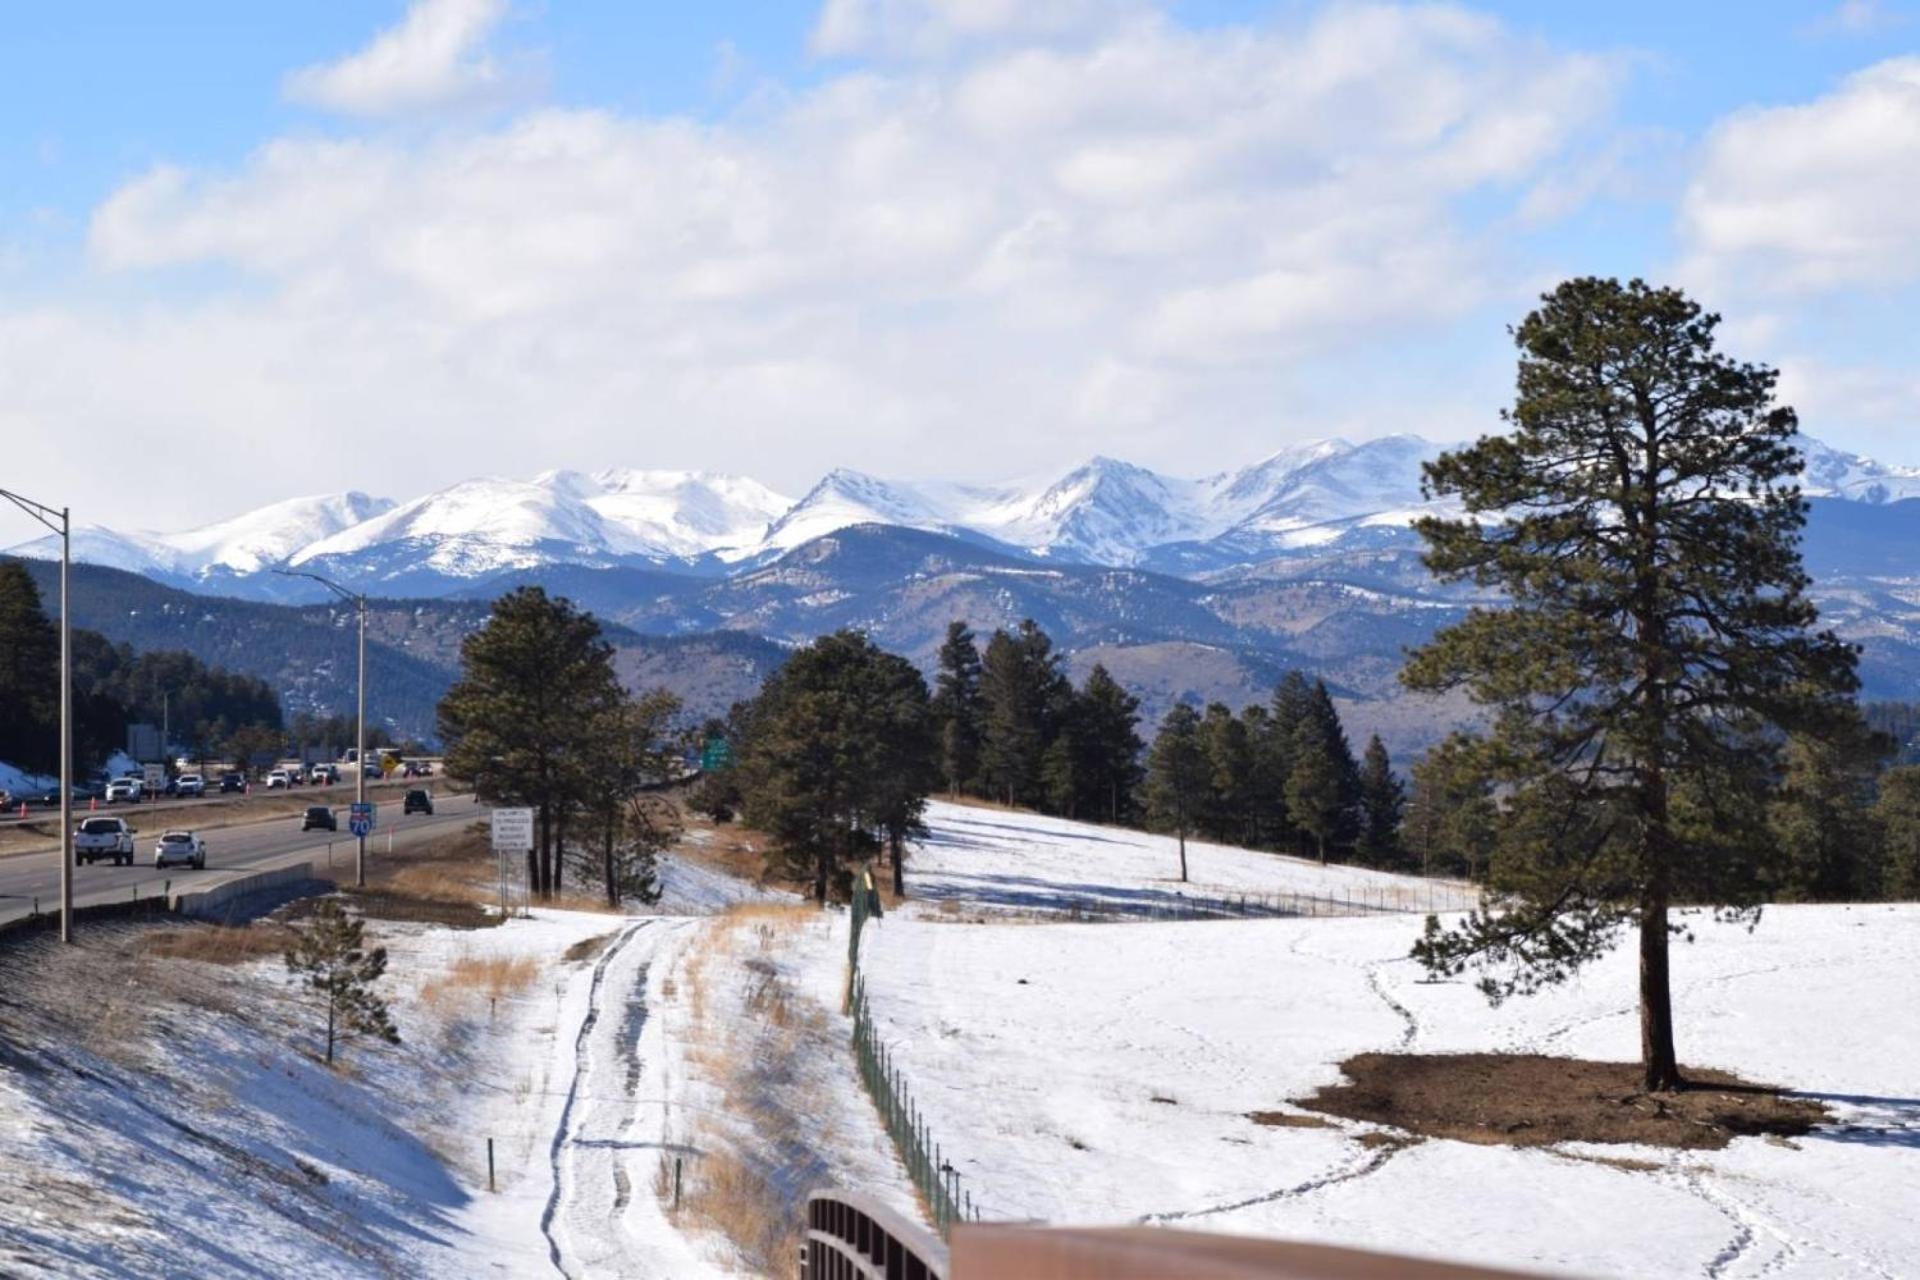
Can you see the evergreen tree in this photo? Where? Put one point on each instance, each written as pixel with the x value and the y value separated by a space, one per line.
pixel 1025 697
pixel 1897 813
pixel 330 959
pixel 29 675
pixel 1822 817
pixel 1382 800
pixel 1061 779
pixel 1178 774
pixel 958 714
pixel 1451 815
pixel 1292 703
pixel 634 754
pixel 1323 785
pixel 1642 522
pixel 839 756
pixel 1227 811
pixel 1106 721
pixel 523 722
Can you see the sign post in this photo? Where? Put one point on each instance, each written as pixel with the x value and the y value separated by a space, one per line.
pixel 512 833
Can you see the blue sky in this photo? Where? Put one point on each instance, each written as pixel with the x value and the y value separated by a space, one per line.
pixel 924 237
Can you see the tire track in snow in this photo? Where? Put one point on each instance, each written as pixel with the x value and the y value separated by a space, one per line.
pixel 1405 1014
pixel 1371 1165
pixel 563 1132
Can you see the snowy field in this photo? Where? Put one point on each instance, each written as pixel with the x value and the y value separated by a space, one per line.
pixel 997 861
pixel 1102 1073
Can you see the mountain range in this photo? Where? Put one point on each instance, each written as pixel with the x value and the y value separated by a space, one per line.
pixel 1186 589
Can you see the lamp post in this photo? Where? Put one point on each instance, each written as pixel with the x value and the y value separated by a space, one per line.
pixel 46 516
pixel 360 718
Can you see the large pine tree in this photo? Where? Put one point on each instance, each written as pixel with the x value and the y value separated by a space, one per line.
pixel 523 722
pixel 958 714
pixel 29 674
pixel 1382 800
pixel 1641 518
pixel 1178 774
pixel 1106 721
pixel 1025 697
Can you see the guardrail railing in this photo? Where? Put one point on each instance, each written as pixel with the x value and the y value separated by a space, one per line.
pixel 854 1237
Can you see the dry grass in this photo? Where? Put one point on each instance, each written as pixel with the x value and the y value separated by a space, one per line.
pixel 472 978
pixel 219 944
pixel 729 1190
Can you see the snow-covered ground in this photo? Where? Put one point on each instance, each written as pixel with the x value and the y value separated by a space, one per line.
pixel 1000 861
pixel 1103 1073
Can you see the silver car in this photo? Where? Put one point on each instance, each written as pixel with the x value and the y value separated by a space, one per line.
pixel 180 848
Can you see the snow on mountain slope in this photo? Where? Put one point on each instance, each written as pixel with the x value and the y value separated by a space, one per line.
pixel 242 544
pixel 1830 473
pixel 676 514
pixel 844 498
pixel 483 526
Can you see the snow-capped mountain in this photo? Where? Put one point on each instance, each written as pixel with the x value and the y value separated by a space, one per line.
pixel 1831 473
pixel 239 546
pixel 1317 498
pixel 676 514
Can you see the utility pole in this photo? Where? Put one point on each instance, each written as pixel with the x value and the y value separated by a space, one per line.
pixel 359 601
pixel 46 515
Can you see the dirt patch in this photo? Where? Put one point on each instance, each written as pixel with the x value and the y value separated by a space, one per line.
pixel 1288 1120
pixel 386 904
pixel 1526 1100
pixel 587 948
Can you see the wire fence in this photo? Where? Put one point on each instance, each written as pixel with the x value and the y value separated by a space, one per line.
pixel 1363 900
pixel 933 1176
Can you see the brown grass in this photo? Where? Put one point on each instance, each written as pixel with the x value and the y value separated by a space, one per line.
pixel 724 1194
pixel 219 944
pixel 1527 1100
pixel 480 977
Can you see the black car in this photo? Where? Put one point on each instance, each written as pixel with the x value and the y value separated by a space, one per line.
pixel 417 802
pixel 232 782
pixel 319 818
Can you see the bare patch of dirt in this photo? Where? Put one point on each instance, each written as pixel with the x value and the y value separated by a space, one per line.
pixel 1288 1120
pixel 587 948
pixel 1527 1100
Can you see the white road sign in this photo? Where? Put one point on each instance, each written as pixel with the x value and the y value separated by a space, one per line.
pixel 156 777
pixel 512 830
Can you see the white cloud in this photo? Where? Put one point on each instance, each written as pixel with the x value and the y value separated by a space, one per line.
pixel 920 28
pixel 1814 197
pixel 1141 240
pixel 434 57
pixel 1860 17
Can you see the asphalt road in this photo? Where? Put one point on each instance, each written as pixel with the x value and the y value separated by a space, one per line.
pixel 255 846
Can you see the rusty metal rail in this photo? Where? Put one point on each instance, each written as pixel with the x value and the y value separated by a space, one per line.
pixel 851 1236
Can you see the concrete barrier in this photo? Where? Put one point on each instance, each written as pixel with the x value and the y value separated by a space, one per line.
pixel 246 894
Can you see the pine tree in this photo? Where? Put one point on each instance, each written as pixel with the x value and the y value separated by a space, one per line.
pixel 29 674
pixel 1177 774
pixel 1106 721
pixel 1822 817
pixel 957 710
pixel 1382 800
pixel 634 754
pixel 1897 813
pixel 839 757
pixel 1025 698
pixel 1314 794
pixel 521 722
pixel 1642 521
pixel 1227 812
pixel 1292 703
pixel 330 959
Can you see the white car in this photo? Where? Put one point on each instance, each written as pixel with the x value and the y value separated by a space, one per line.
pixel 128 789
pixel 104 840
pixel 278 779
pixel 182 848
pixel 190 784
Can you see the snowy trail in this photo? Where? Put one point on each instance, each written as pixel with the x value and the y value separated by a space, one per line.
pixel 602 1218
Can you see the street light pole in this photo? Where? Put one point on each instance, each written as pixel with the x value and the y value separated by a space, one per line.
pixel 46 515
pixel 360 719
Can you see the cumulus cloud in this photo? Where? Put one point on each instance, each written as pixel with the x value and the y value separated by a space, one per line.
pixel 1139 240
pixel 848 28
pixel 1812 197
pixel 434 57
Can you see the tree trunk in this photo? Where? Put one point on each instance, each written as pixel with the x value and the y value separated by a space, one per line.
pixel 558 874
pixel 1320 841
pixel 541 869
pixel 899 857
pixel 613 888
pixel 821 858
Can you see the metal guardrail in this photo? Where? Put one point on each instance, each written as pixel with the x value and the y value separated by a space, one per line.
pixel 854 1237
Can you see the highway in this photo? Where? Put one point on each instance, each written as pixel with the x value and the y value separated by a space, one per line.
pixel 257 846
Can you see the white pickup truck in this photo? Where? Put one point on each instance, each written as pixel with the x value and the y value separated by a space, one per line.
pixel 99 839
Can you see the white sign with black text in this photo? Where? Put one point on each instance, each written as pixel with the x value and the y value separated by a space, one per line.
pixel 512 830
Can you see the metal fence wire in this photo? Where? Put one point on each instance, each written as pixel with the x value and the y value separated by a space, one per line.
pixel 933 1176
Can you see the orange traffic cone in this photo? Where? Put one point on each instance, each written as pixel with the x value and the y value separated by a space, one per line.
pixel 93 804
